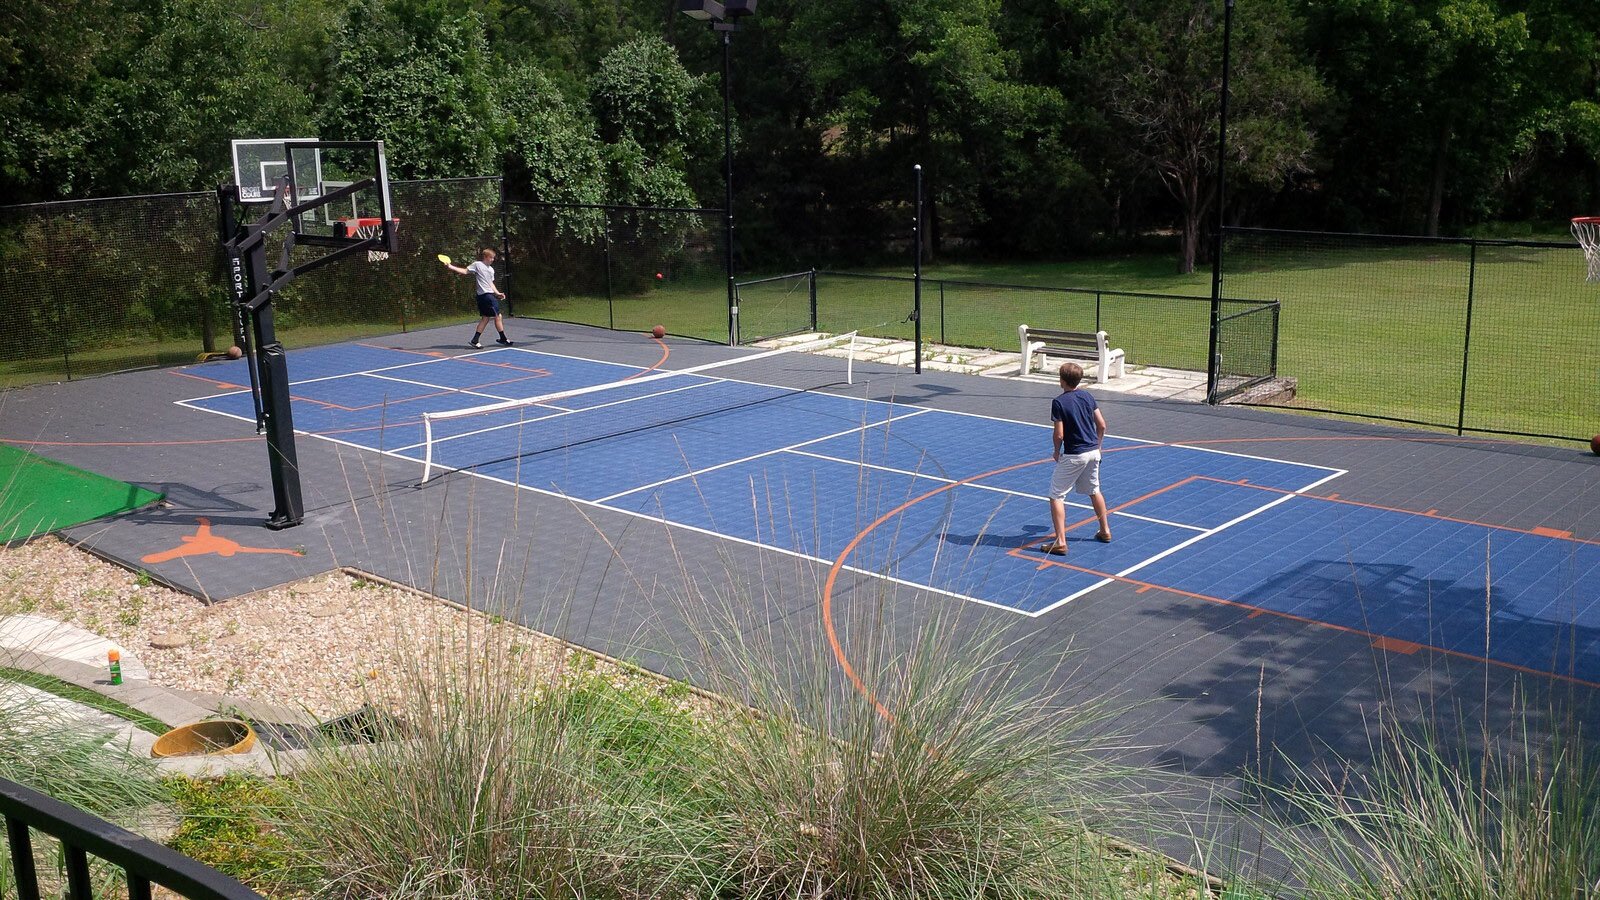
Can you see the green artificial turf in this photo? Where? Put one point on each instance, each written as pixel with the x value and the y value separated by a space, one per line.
pixel 39 495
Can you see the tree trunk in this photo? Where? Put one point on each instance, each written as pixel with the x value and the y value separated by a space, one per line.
pixel 1441 156
pixel 1190 239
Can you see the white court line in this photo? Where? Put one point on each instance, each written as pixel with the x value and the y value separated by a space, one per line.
pixel 559 412
pixel 986 487
pixel 1335 473
pixel 438 387
pixel 645 516
pixel 1196 539
pixel 957 412
pixel 423 362
pixel 792 448
pixel 1261 458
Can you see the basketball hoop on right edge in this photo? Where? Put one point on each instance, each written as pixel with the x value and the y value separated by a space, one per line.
pixel 1587 230
pixel 372 229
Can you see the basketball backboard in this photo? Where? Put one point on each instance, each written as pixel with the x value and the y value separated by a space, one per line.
pixel 334 167
pixel 259 164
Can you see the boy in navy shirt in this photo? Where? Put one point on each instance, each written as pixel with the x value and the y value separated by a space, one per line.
pixel 1079 431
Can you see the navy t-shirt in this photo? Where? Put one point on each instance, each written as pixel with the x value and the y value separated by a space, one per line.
pixel 1076 408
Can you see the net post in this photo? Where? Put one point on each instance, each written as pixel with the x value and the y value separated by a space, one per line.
pixel 850 361
pixel 427 447
pixel 812 279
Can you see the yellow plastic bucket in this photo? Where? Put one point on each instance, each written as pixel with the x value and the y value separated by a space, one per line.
pixel 214 737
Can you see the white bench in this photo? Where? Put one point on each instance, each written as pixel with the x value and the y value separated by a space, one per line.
pixel 1088 345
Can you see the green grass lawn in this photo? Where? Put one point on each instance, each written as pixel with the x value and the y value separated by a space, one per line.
pixel 1377 330
pixel 1365 329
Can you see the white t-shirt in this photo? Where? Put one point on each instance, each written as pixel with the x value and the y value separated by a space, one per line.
pixel 485 276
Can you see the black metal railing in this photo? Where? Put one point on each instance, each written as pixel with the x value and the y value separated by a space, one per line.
pixel 1466 334
pixel 82 835
pixel 1156 329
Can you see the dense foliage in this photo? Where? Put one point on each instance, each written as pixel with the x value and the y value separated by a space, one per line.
pixel 1044 126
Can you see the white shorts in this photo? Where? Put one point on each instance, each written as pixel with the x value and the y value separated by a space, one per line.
pixel 1076 471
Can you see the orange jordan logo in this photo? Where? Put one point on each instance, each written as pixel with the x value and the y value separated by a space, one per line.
pixel 203 541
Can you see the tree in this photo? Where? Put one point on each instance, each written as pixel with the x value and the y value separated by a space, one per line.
pixel 653 116
pixel 1431 105
pixel 902 82
pixel 414 74
pixel 1160 66
pixel 552 152
pixel 198 79
pixel 48 55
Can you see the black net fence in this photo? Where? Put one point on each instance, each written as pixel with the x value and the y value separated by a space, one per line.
pixel 1161 330
pixel 100 286
pixel 627 268
pixel 776 306
pixel 1247 350
pixel 874 305
pixel 96 286
pixel 410 290
pixel 1469 335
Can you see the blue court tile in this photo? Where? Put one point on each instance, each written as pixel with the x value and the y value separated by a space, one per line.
pixel 627 392
pixel 961 540
pixel 795 503
pixel 1410 577
pixel 1130 471
pixel 566 373
pixel 988 548
pixel 360 392
pixel 949 445
pixel 1202 502
pixel 597 453
pixel 342 359
pixel 471 373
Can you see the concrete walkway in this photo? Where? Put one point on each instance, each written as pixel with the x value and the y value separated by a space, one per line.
pixel 1152 382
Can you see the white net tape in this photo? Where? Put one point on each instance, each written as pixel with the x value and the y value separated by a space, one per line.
pixel 1587 231
pixel 552 399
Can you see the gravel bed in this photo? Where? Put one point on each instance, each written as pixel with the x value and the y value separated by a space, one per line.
pixel 325 645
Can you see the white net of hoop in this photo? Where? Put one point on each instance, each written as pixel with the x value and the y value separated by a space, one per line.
pixel 1587 231
pixel 373 231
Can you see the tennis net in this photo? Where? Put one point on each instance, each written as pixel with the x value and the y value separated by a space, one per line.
pixel 493 432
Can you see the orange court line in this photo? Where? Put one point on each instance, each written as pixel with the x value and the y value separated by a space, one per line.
pixel 838 564
pixel 1382 642
pixel 1539 531
pixel 665 352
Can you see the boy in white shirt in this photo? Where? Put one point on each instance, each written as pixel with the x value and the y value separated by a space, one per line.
pixel 488 296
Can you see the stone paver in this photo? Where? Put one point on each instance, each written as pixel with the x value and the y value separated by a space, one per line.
pixel 1139 381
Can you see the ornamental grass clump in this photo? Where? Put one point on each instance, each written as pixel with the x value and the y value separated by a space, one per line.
pixel 1502 817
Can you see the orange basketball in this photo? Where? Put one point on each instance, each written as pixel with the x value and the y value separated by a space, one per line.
pixel 1594 445
pixel 659 332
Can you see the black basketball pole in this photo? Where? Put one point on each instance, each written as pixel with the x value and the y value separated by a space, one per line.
pixel 916 270
pixel 727 156
pixel 240 290
pixel 288 508
pixel 1213 364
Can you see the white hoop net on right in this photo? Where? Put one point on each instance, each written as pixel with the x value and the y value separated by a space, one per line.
pixel 372 231
pixel 1587 230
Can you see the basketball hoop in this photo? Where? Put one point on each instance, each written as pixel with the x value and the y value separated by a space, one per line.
pixel 372 229
pixel 1587 230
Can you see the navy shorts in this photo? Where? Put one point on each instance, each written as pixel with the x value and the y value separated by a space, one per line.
pixel 487 305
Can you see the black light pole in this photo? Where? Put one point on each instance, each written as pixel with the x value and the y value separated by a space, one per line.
pixel 916 273
pixel 724 19
pixel 1212 363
